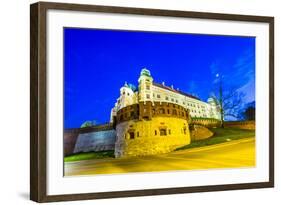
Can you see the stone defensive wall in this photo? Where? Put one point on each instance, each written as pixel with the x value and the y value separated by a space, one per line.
pixel 148 110
pixel 207 122
pixel 151 128
pixel 96 138
pixel 247 125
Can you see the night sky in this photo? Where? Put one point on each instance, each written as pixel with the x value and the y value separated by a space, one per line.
pixel 98 62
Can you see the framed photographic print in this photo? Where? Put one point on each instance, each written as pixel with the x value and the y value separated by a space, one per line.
pixel 135 102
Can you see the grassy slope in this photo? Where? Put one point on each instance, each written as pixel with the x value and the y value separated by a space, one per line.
pixel 221 135
pixel 89 155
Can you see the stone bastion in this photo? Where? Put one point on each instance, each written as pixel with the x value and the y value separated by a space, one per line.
pixel 151 128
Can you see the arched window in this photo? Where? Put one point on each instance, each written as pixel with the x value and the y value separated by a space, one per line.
pixel 174 112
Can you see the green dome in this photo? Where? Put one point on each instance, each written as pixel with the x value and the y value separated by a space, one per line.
pixel 145 72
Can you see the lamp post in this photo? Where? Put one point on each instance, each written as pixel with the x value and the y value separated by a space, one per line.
pixel 220 98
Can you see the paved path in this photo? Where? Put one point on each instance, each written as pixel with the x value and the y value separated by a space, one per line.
pixel 238 153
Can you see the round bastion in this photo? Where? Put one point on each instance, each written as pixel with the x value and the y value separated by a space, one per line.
pixel 149 128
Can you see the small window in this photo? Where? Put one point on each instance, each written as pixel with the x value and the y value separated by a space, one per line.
pixel 128 94
pixel 147 96
pixel 168 111
pixel 147 87
pixel 124 93
pixel 174 112
pixel 132 135
pixel 155 132
pixel 167 98
pixel 138 134
pixel 158 96
pixel 132 114
pixel 169 131
pixel 161 111
pixel 163 132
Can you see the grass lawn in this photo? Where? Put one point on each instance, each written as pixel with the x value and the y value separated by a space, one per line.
pixel 89 155
pixel 221 135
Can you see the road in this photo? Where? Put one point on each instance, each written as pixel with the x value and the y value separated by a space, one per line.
pixel 238 153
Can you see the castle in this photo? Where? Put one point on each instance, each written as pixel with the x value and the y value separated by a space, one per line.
pixel 154 118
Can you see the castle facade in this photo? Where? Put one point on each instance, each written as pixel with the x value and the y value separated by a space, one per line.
pixel 153 118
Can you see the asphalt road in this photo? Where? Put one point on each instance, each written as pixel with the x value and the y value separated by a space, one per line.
pixel 238 153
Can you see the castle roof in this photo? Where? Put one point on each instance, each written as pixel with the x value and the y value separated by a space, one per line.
pixel 175 91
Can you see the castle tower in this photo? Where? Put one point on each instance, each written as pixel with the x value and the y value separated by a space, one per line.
pixel 126 96
pixel 145 94
pixel 145 86
pixel 214 108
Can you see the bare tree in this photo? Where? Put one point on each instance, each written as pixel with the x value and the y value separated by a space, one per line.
pixel 229 101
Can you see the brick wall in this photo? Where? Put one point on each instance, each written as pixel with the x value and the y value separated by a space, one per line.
pixel 247 125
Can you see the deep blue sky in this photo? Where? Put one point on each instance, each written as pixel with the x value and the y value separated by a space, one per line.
pixel 98 62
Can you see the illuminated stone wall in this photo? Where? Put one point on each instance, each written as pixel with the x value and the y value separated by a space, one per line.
pixel 148 137
pixel 151 128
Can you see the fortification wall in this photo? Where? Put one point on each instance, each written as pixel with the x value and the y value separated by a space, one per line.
pixel 69 141
pixel 199 132
pixel 149 137
pixel 76 138
pixel 210 123
pixel 95 141
pixel 247 125
pixel 151 128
